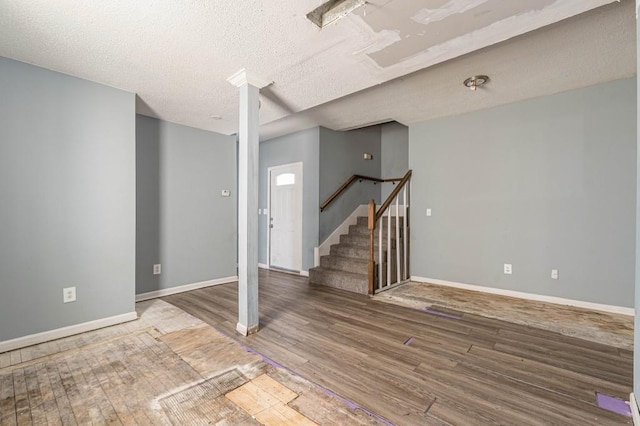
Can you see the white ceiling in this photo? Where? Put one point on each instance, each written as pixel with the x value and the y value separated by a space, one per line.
pixel 591 48
pixel 176 55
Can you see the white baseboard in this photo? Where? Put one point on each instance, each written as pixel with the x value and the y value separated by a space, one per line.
pixel 334 238
pixel 635 414
pixel 529 296
pixel 180 289
pixel 285 271
pixel 245 331
pixel 316 256
pixel 58 333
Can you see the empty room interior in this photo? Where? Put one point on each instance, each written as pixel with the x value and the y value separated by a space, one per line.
pixel 350 212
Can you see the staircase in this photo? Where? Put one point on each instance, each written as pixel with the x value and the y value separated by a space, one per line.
pixel 346 267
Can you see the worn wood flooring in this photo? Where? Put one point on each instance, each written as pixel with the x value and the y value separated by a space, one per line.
pixel 597 326
pixel 416 367
pixel 166 368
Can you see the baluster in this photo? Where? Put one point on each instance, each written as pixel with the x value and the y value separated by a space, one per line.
pixel 380 255
pixel 398 269
pixel 405 237
pixel 388 245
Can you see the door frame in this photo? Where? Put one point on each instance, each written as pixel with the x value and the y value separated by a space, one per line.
pixel 269 171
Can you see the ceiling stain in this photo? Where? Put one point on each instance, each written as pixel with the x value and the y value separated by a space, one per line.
pixel 421 28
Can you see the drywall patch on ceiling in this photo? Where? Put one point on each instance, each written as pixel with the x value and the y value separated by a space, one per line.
pixel 437 25
pixel 452 7
pixel 381 40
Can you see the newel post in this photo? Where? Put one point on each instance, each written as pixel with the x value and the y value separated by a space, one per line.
pixel 372 226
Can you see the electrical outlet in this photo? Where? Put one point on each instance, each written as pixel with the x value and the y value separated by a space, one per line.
pixel 157 269
pixel 68 294
pixel 554 274
pixel 225 193
pixel 507 268
pixel 428 212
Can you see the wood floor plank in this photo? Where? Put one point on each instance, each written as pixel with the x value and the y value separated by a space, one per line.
pixel 7 400
pixel 567 364
pixel 23 412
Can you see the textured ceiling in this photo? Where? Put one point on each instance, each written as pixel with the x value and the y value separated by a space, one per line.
pixel 176 55
pixel 591 48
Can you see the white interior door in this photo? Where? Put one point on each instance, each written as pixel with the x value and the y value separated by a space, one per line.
pixel 285 216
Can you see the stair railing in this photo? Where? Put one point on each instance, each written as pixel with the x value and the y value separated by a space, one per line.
pixel 392 269
pixel 348 183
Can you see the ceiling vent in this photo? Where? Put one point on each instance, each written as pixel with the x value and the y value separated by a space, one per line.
pixel 333 10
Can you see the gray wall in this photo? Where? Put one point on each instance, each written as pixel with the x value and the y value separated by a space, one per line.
pixel 636 329
pixel 546 183
pixel 341 156
pixel 394 154
pixel 183 222
pixel 297 147
pixel 67 184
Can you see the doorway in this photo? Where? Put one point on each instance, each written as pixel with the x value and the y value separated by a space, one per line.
pixel 285 217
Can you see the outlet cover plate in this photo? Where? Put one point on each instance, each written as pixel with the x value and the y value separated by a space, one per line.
pixel 157 269
pixel 507 269
pixel 68 294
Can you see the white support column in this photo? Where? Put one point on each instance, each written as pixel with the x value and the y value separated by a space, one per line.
pixel 248 169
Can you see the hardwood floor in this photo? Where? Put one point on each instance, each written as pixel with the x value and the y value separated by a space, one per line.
pixel 415 367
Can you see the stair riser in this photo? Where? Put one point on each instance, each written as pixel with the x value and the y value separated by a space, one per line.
pixel 363 240
pixel 356 251
pixel 364 221
pixel 326 278
pixel 344 264
pixel 363 230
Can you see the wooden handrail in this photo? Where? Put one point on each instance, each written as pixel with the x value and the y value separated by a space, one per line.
pixel 349 181
pixel 391 196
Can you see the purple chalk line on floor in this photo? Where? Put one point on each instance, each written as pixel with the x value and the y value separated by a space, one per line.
pixel 329 392
pixel 613 404
pixel 440 314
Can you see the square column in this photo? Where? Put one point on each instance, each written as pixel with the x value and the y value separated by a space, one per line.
pixel 248 181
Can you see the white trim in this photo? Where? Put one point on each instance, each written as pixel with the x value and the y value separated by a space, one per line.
pixel 245 331
pixel 242 77
pixel 316 256
pixel 59 333
pixel 285 271
pixel 242 329
pixel 187 287
pixel 334 238
pixel 529 296
pixel 635 414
